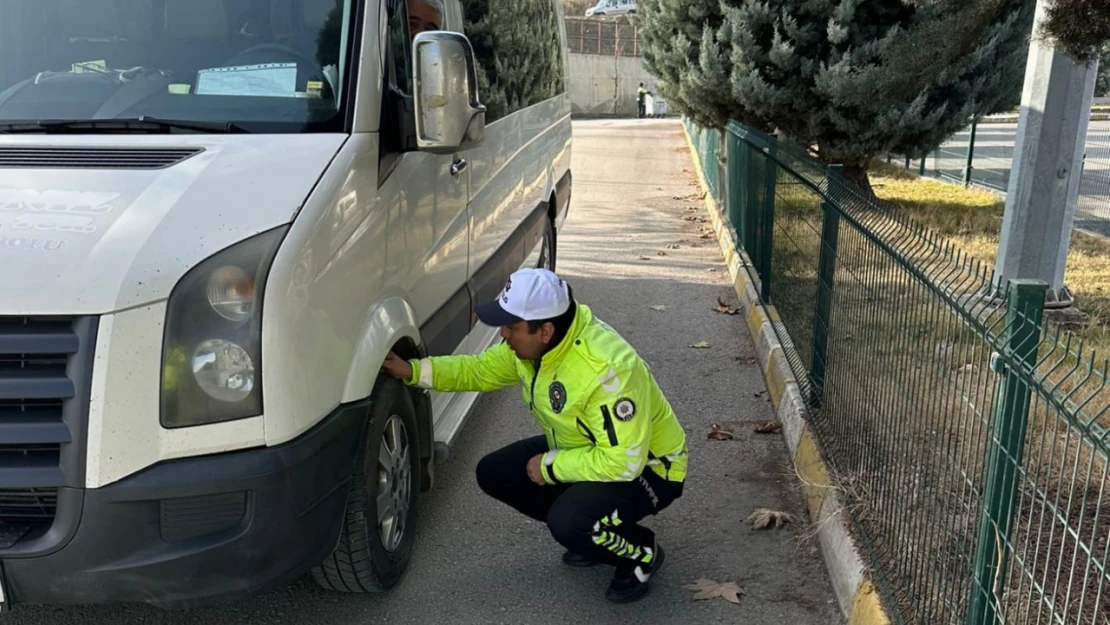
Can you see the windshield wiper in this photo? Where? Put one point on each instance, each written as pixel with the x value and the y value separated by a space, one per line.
pixel 136 125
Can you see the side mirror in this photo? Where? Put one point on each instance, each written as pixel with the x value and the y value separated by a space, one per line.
pixel 449 117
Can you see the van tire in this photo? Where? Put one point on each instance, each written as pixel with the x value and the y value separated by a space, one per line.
pixel 361 561
pixel 549 248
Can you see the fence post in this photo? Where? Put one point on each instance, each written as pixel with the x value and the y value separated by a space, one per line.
pixel 826 272
pixel 735 192
pixel 767 220
pixel 724 169
pixel 1025 309
pixel 970 154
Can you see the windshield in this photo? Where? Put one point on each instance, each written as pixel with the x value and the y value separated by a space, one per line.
pixel 265 65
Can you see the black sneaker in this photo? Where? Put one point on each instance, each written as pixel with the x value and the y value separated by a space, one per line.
pixel 632 583
pixel 577 560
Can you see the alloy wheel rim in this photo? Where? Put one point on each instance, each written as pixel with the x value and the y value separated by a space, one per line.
pixel 394 483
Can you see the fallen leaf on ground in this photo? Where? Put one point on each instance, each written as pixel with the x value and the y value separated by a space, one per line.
pixel 672 246
pixel 768 427
pixel 690 218
pixel 712 270
pixel 707 235
pixel 659 307
pixel 717 433
pixel 763 518
pixel 726 309
pixel 709 589
pixel 645 258
pixel 660 253
pixel 701 345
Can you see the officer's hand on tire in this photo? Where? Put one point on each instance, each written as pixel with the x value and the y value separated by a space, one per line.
pixel 535 470
pixel 397 367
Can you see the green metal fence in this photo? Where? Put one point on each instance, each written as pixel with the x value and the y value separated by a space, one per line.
pixel 969 438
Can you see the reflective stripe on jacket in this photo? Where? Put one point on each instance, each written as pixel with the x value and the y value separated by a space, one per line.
pixel 602 411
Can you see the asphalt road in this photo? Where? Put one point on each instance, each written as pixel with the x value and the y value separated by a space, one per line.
pixel 478 562
pixel 994 150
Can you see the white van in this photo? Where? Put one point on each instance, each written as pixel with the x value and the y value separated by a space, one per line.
pixel 216 218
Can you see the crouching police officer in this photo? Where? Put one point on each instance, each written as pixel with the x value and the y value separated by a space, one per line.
pixel 612 452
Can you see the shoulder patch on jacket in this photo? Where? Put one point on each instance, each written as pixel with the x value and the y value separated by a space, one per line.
pixel 624 409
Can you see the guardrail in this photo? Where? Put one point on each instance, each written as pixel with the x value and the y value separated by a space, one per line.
pixel 969 439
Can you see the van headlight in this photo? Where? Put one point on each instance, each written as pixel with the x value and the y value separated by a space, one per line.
pixel 212 345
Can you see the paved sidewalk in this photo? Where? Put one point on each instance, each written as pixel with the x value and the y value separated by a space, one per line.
pixel 478 562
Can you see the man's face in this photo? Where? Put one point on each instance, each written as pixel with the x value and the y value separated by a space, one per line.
pixel 528 345
pixel 423 17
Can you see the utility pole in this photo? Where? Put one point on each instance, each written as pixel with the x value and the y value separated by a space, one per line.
pixel 1048 158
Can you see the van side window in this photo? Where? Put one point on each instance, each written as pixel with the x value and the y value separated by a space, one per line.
pixel 517 45
pixel 400 46
pixel 396 114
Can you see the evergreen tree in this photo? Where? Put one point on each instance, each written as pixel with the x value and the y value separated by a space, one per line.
pixel 681 47
pixel 518 52
pixel 854 78
pixel 1079 27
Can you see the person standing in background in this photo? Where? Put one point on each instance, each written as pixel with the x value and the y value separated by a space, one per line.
pixel 641 101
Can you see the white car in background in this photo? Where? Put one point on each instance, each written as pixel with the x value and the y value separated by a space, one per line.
pixel 611 7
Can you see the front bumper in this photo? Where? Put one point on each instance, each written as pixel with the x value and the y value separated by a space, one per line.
pixel 187 532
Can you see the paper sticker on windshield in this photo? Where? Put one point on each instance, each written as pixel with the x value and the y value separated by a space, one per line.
pixel 268 80
pixel 87 67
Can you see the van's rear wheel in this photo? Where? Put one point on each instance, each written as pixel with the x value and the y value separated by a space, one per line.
pixel 548 248
pixel 376 541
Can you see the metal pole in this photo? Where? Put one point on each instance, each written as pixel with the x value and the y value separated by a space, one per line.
pixel 1043 190
pixel 1025 308
pixel 826 274
pixel 970 154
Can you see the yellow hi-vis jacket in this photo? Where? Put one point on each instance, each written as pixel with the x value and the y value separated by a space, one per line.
pixel 604 416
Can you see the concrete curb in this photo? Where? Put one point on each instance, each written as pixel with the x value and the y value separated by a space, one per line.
pixel 859 601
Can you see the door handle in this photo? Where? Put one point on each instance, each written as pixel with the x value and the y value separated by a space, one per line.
pixel 458 167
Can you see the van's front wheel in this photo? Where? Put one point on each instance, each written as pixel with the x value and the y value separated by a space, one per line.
pixel 376 541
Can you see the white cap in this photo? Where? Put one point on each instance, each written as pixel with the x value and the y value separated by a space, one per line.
pixel 529 295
